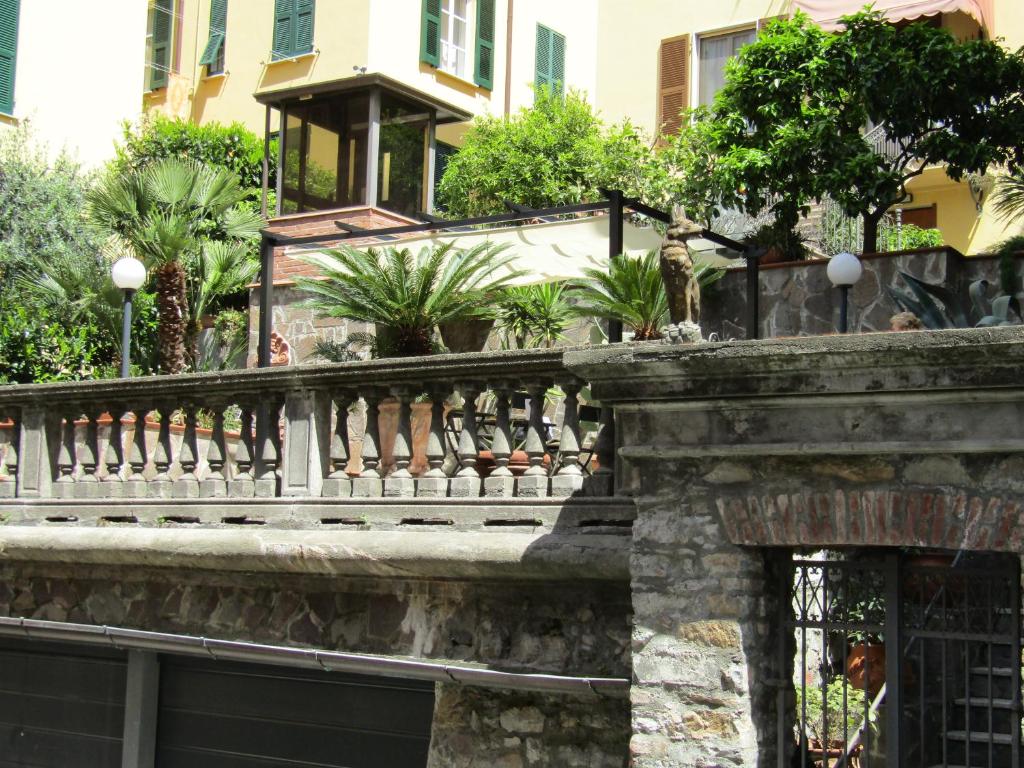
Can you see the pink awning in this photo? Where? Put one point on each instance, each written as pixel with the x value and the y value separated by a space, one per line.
pixel 828 12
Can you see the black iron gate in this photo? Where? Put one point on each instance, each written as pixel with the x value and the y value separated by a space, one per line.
pixel 949 695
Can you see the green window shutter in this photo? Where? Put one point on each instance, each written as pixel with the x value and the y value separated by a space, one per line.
pixel 484 73
pixel 558 62
pixel 163 19
pixel 542 63
pixel 8 53
pixel 284 29
pixel 430 33
pixel 305 10
pixel 218 32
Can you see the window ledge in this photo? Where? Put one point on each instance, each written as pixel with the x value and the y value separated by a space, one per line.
pixel 290 59
pixel 457 79
pixel 216 76
pixel 8 119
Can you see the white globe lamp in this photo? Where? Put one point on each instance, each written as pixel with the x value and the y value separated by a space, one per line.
pixel 844 270
pixel 128 274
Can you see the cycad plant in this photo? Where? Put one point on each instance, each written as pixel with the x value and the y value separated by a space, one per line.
pixel 405 295
pixel 1008 197
pixel 535 315
pixel 632 291
pixel 183 219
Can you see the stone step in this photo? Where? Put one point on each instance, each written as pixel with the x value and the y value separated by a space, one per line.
pixel 996 671
pixel 980 737
pixel 978 701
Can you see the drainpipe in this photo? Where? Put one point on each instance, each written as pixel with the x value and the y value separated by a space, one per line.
pixel 508 59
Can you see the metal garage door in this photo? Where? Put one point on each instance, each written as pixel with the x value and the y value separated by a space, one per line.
pixel 60 706
pixel 232 715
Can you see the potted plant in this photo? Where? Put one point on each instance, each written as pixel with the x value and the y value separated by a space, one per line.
pixel 782 243
pixel 407 296
pixel 534 315
pixel 633 292
pixel 826 718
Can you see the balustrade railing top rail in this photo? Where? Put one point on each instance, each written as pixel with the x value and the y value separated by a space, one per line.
pixel 436 427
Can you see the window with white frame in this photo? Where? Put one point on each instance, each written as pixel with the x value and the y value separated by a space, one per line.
pixel 715 51
pixel 454 34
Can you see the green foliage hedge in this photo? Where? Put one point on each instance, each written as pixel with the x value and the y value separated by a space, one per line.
pixel 229 146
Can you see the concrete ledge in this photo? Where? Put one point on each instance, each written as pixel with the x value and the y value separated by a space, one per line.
pixel 422 554
pixel 583 515
pixel 975 358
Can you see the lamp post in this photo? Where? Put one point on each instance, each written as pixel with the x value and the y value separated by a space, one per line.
pixel 844 270
pixel 128 274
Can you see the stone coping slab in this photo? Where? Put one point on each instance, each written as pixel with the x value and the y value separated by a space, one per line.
pixel 853 363
pixel 385 554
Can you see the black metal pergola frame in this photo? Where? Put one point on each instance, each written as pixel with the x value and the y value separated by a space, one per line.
pixel 616 204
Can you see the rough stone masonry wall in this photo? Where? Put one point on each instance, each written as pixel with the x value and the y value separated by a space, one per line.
pixel 797 299
pixel 739 453
pixel 703 622
pixel 548 628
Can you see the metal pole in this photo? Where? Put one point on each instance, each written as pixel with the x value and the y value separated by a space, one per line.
pixel 266 301
pixel 126 334
pixel 753 294
pixel 844 303
pixel 373 149
pixel 614 249
pixel 266 164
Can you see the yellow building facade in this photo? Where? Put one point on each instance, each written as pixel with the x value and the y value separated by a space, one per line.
pixel 635 59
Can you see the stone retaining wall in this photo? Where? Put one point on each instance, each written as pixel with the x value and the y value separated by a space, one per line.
pixel 797 299
pixel 550 628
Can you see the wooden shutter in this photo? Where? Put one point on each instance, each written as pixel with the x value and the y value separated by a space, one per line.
pixel 430 33
pixel 542 63
pixel 8 53
pixel 305 10
pixel 558 61
pixel 163 21
pixel 284 29
pixel 673 83
pixel 484 73
pixel 218 31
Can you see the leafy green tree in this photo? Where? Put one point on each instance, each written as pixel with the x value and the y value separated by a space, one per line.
pixel 408 296
pixel 556 152
pixel 187 222
pixel 234 147
pixel 788 126
pixel 55 281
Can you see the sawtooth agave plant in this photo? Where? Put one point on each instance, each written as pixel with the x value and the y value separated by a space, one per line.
pixel 405 295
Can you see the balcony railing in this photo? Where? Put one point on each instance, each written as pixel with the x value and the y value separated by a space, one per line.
pixel 285 432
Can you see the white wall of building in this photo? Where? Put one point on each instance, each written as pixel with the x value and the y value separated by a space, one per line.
pixel 79 73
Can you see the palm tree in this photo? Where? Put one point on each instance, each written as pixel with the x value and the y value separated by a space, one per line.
pixel 633 292
pixel 407 296
pixel 171 214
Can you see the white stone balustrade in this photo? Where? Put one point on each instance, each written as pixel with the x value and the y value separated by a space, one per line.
pixel 445 427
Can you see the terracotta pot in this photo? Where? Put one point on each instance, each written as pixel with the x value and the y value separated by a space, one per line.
pixel 518 463
pixel 923 585
pixel 466 335
pixel 865 667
